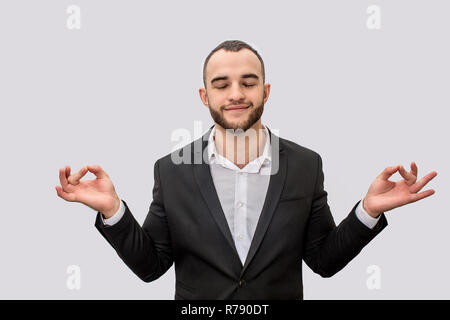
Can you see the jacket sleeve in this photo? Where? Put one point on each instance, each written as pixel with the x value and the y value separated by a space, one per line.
pixel 329 248
pixel 146 250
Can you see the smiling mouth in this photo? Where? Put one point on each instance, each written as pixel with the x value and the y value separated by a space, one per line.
pixel 237 108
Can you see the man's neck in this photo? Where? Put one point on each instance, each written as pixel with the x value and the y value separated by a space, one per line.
pixel 241 147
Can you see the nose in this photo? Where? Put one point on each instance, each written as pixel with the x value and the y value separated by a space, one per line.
pixel 236 93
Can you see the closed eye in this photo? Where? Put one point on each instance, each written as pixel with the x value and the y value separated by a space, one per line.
pixel 245 85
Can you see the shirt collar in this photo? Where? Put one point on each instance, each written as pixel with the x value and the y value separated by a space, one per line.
pixel 252 167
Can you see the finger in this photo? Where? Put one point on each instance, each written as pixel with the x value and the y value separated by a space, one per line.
pixel 419 196
pixel 75 178
pixel 409 177
pixel 98 171
pixel 63 178
pixel 67 169
pixel 422 182
pixel 414 169
pixel 388 172
pixel 66 196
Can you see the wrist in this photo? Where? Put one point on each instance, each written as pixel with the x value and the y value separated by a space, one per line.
pixel 368 211
pixel 109 213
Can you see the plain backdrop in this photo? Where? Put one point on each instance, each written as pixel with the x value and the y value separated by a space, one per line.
pixel 113 92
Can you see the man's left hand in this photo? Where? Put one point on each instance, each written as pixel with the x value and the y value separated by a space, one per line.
pixel 385 195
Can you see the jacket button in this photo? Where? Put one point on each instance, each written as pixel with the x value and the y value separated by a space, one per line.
pixel 241 283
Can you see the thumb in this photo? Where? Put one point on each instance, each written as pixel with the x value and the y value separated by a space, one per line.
pixel 388 172
pixel 98 171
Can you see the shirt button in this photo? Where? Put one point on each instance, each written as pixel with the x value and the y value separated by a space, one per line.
pixel 239 204
pixel 240 237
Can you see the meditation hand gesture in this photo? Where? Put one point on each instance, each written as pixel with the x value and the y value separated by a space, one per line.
pixel 98 194
pixel 384 195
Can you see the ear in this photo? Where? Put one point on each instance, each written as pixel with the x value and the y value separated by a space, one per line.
pixel 266 91
pixel 203 96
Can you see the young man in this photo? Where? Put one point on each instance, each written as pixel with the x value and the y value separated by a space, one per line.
pixel 237 219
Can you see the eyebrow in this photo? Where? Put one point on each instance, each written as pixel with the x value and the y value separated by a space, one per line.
pixel 244 76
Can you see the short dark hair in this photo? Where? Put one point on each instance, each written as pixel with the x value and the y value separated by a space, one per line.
pixel 235 46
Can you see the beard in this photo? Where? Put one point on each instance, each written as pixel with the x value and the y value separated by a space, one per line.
pixel 253 117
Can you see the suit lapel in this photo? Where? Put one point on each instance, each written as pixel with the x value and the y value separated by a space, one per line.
pixel 206 186
pixel 276 183
pixel 205 183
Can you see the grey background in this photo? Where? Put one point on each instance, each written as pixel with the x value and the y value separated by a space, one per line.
pixel 113 92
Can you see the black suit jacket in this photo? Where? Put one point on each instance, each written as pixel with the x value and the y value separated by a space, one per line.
pixel 186 226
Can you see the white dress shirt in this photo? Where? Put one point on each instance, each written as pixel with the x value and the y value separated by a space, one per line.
pixel 242 193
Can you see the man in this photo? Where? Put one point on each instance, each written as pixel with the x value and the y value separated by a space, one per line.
pixel 238 223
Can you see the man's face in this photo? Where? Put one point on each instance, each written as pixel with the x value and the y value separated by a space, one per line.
pixel 235 93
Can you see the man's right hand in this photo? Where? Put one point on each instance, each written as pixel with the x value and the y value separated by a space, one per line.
pixel 98 194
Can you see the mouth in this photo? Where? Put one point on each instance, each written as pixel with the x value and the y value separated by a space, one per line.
pixel 237 108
